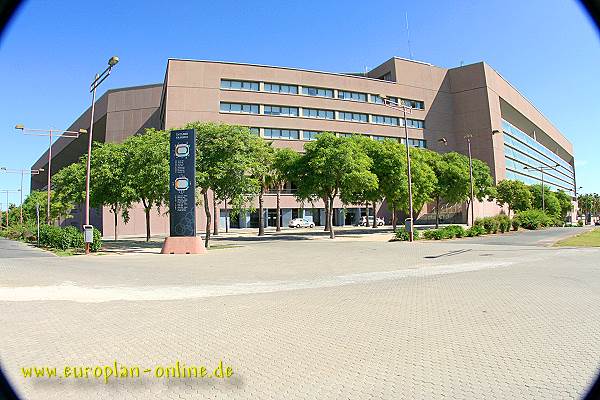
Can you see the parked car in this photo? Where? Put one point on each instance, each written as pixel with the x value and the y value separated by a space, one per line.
pixel 301 223
pixel 363 222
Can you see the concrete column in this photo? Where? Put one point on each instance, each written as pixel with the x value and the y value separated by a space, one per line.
pixel 286 216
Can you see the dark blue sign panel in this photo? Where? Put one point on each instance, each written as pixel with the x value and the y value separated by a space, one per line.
pixel 182 201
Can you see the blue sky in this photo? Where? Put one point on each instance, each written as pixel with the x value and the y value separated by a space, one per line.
pixel 548 49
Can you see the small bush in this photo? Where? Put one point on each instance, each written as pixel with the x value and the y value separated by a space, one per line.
pixel 403 235
pixel 490 224
pixel 452 231
pixel 533 219
pixel 580 223
pixel 66 238
pixel 515 224
pixel 503 223
pixel 474 231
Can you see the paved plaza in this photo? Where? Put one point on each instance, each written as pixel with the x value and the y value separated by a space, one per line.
pixel 297 316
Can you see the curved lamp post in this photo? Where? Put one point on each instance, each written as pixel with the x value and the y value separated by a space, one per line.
pixel 98 79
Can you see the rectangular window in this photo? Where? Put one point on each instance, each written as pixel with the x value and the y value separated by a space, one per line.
pixel 415 123
pixel 281 133
pixel 415 142
pixel 355 96
pixel 310 135
pixel 254 131
pixel 279 88
pixel 279 110
pixel 239 85
pixel 320 92
pixel 379 138
pixel 239 108
pixel 378 100
pixel 317 113
pixel 344 134
pixel 384 120
pixel 354 117
pixel 416 104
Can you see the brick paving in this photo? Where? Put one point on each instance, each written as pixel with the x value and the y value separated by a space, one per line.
pixel 340 320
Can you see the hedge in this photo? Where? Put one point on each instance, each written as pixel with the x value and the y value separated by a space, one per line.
pixel 67 238
pixel 534 219
pixel 403 235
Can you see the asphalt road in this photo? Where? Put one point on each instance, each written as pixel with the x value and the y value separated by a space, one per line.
pixel 12 249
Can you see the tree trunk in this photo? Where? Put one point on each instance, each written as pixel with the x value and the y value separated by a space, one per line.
pixel 374 214
pixel 208 218
pixel 261 222
pixel 394 218
pixel 327 225
pixel 147 211
pixel 278 223
pixel 437 212
pixel 116 221
pixel 367 214
pixel 226 217
pixel 330 219
pixel 216 220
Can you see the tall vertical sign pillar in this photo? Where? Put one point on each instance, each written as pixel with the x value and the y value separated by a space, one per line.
pixel 182 196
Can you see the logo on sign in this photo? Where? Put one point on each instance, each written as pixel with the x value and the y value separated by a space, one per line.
pixel 182 184
pixel 182 150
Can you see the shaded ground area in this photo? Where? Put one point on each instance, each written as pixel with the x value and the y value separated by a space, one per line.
pixel 13 249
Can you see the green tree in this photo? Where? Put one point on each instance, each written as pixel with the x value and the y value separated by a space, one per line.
pixel 515 194
pixel 109 183
pixel 369 193
pixel 566 203
pixel 224 160
pixel 453 182
pixel 147 170
pixel 69 190
pixel 262 170
pixel 550 203
pixel 284 161
pixel 332 166
pixel 483 182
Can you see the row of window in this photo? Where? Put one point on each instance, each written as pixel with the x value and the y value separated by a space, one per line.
pixel 519 176
pixel 521 153
pixel 316 91
pixel 521 136
pixel 295 134
pixel 320 114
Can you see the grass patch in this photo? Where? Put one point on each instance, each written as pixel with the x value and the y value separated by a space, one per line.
pixel 587 239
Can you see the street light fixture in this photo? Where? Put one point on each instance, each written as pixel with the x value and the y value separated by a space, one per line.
pixel 542 169
pixel 98 79
pixel 393 105
pixel 22 172
pixel 7 192
pixel 50 133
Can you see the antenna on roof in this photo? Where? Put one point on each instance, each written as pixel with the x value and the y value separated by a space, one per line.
pixel 408 36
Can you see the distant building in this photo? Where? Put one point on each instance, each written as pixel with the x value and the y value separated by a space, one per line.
pixel 291 106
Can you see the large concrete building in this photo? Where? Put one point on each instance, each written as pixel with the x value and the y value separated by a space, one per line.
pixel 290 106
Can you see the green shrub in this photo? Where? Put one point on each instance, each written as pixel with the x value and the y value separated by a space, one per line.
pixel 401 234
pixel 533 219
pixel 473 231
pixel 503 223
pixel 489 224
pixel 580 223
pixel 515 224
pixel 452 231
pixel 67 238
pixel 25 232
pixel 97 243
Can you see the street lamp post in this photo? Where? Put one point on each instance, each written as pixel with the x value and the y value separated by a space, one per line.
pixel 469 136
pixel 51 133
pixel 7 192
pixel 98 79
pixel 22 172
pixel 396 106
pixel 542 169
